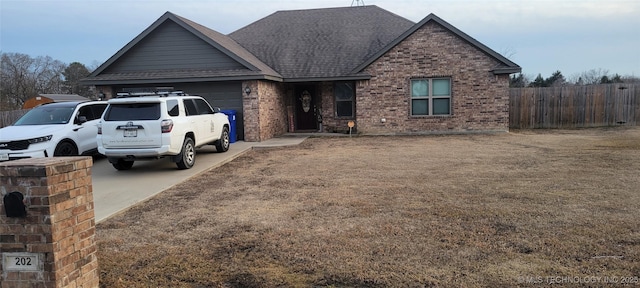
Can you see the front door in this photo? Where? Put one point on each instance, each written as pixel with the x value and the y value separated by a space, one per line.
pixel 306 108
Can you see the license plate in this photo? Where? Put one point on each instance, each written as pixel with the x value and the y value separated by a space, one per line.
pixel 4 157
pixel 130 133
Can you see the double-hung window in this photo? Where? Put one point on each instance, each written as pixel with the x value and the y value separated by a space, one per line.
pixel 344 93
pixel 430 96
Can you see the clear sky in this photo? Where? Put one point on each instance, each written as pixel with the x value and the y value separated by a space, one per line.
pixel 541 36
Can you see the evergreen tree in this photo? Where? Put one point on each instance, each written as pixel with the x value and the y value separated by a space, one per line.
pixel 538 82
pixel 517 82
pixel 556 79
pixel 617 79
pixel 72 75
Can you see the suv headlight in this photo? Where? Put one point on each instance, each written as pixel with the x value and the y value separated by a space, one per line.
pixel 40 139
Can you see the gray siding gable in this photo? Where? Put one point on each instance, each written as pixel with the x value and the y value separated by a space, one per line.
pixel 171 47
pixel 176 49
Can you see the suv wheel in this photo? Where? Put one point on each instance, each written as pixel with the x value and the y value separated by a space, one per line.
pixel 122 164
pixel 65 148
pixel 187 155
pixel 222 145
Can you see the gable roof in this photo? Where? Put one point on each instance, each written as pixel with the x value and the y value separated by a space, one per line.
pixel 506 67
pixel 237 52
pixel 319 44
pixel 291 46
pixel 255 69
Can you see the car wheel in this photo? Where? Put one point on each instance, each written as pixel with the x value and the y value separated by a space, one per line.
pixel 122 164
pixel 187 155
pixel 65 148
pixel 222 145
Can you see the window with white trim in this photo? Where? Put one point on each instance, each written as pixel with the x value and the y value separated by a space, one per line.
pixel 430 96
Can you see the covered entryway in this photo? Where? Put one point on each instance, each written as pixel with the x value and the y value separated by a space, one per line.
pixel 306 107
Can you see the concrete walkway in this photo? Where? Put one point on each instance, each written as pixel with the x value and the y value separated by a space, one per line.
pixel 115 191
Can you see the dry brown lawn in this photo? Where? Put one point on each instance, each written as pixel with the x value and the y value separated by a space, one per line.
pixel 526 208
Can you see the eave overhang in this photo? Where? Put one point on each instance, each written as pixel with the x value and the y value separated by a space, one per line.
pixel 506 70
pixel 355 77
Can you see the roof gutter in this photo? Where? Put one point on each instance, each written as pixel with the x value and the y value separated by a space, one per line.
pixel 327 79
pixel 506 70
pixel 88 82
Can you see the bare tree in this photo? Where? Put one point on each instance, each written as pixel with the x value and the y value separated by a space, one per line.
pixel 94 65
pixel 508 52
pixel 23 77
pixel 16 85
pixel 630 79
pixel 593 76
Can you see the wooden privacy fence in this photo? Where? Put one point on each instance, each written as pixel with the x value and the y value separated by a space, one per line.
pixel 8 117
pixel 574 106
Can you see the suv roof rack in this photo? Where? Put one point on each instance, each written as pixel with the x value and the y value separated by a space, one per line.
pixel 146 94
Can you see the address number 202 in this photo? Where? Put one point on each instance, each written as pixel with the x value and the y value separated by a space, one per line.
pixel 23 261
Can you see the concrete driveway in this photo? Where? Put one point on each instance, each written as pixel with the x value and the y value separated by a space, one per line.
pixel 115 191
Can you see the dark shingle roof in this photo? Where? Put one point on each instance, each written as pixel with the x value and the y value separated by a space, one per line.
pixel 230 45
pixel 320 43
pixel 296 45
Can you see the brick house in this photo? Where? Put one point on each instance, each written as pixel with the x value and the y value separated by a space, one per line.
pixel 319 69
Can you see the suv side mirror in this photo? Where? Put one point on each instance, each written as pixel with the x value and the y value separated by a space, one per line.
pixel 216 109
pixel 81 119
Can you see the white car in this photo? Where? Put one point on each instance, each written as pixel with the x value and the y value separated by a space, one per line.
pixel 151 126
pixel 53 129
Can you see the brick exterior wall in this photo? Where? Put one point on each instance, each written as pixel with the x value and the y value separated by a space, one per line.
pixel 264 109
pixel 272 110
pixel 60 222
pixel 331 123
pixel 480 99
pixel 251 112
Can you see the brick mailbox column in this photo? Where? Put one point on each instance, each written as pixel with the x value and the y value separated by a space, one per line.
pixel 54 245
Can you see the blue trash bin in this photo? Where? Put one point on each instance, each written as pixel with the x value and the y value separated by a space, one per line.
pixel 231 114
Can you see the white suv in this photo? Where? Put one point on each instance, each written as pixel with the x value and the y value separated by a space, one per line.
pixel 53 129
pixel 156 125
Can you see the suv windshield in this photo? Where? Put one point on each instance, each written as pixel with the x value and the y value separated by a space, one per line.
pixel 45 115
pixel 132 111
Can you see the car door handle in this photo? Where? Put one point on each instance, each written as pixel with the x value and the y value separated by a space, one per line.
pixel 76 129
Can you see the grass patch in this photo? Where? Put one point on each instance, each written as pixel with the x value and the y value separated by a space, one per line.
pixel 436 211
